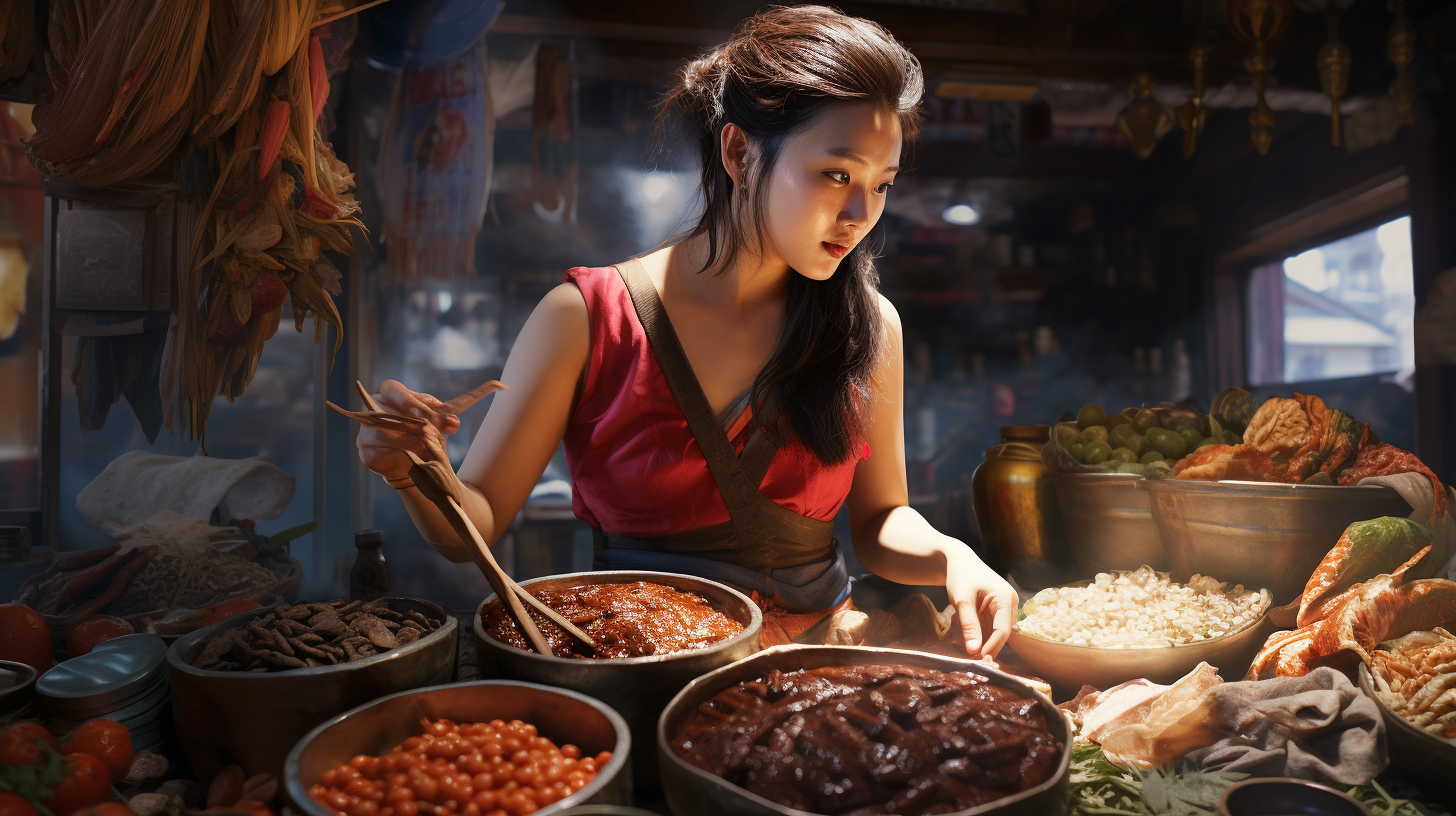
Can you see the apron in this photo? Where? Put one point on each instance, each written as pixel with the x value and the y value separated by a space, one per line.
pixel 761 536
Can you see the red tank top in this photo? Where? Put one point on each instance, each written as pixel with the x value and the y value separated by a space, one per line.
pixel 636 469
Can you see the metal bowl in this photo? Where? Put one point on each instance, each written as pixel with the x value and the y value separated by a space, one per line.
pixel 691 789
pixel 226 717
pixel 637 687
pixel 1425 758
pixel 1109 521
pixel 376 728
pixel 1277 796
pixel 23 692
pixel 1068 667
pixel 1258 533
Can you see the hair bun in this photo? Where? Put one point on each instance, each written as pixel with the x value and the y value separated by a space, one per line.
pixel 700 91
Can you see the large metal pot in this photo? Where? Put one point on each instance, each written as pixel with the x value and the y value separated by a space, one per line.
pixel 637 687
pixel 226 717
pixel 1109 522
pixel 1260 534
pixel 376 728
pixel 692 791
pixel 1016 510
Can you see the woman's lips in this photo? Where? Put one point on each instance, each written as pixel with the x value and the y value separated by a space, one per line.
pixel 835 250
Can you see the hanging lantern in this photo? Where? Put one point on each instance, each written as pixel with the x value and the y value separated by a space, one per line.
pixel 1192 116
pixel 1257 22
pixel 1144 121
pixel 1400 46
pixel 1333 64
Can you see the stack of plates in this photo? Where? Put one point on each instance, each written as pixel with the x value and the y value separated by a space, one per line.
pixel 124 679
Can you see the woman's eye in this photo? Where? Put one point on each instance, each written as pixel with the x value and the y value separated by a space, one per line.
pixel 884 188
pixel 838 175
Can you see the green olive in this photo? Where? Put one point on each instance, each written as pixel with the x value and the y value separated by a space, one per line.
pixel 1146 418
pixel 1205 443
pixel 1117 420
pixel 1158 470
pixel 1094 433
pixel 1078 451
pixel 1151 457
pixel 1091 415
pixel 1181 422
pixel 1130 413
pixel 1097 453
pixel 1124 455
pixel 1170 444
pixel 1191 437
pixel 1067 434
pixel 1122 436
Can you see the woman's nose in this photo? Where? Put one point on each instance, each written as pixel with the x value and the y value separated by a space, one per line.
pixel 856 210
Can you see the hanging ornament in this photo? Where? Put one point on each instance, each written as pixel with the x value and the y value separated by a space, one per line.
pixel 1192 116
pixel 1400 46
pixel 1333 64
pixel 1144 121
pixel 1257 22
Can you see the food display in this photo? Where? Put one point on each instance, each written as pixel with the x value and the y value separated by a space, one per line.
pixel 872 739
pixel 1144 441
pixel 493 769
pixel 1415 675
pixel 626 620
pixel 1141 609
pixel 309 635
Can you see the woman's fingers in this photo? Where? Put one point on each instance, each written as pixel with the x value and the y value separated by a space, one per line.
pixel 396 397
pixel 1001 620
pixel 970 625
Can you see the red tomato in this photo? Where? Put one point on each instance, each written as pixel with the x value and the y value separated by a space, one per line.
pixel 13 804
pixel 107 740
pixel 22 744
pixel 87 782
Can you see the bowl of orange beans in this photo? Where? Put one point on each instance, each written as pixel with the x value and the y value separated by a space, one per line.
pixel 487 748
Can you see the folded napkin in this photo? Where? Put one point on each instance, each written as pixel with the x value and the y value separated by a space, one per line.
pixel 1318 727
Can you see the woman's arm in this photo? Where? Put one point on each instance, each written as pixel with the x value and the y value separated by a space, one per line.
pixel 519 435
pixel 896 542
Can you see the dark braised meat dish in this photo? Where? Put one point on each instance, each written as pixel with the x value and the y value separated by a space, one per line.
pixel 873 740
pixel 625 620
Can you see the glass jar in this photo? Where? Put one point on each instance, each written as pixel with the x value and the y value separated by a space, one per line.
pixel 1016 511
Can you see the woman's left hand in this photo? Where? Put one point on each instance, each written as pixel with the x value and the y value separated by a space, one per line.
pixel 984 602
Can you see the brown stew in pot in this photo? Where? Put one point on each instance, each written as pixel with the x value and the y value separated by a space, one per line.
pixel 873 740
pixel 626 620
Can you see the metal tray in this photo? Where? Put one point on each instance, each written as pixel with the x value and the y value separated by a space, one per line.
pixel 1426 758
pixel 113 672
pixel 692 790
pixel 1260 533
pixel 376 728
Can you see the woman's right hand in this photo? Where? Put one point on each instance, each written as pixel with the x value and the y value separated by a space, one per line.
pixel 384 451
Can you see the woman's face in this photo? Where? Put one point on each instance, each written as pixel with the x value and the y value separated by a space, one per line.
pixel 829 185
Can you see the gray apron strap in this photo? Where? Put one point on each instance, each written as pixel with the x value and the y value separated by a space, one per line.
pixel 766 535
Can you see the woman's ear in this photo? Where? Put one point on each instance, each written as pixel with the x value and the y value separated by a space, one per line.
pixel 733 147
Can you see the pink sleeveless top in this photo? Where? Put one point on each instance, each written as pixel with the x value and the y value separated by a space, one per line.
pixel 636 470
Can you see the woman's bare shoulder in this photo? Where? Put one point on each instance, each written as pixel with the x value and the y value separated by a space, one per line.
pixel 891 317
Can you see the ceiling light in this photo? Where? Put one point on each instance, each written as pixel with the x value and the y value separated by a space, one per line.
pixel 962 215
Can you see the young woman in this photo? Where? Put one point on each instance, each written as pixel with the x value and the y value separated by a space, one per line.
pixel 720 398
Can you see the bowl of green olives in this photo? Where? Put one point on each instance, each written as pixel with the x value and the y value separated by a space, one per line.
pixel 1140 441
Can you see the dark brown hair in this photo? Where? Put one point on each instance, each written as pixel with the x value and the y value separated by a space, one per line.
pixel 781 69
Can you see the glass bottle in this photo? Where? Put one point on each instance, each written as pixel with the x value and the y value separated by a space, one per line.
pixel 369 577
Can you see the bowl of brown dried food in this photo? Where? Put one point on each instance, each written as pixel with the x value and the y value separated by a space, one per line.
pixel 797 730
pixel 245 689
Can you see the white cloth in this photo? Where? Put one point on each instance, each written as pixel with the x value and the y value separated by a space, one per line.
pixel 140 484
pixel 1416 489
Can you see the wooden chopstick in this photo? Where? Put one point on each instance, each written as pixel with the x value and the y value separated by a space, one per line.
pixel 439 483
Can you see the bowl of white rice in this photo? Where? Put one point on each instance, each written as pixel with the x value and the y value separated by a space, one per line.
pixel 1126 625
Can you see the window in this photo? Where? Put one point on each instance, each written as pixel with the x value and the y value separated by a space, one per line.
pixel 1345 309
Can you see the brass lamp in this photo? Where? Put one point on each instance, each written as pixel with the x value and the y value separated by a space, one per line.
pixel 1144 121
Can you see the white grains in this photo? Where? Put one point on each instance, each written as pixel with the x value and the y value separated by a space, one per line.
pixel 1141 609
